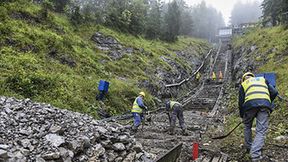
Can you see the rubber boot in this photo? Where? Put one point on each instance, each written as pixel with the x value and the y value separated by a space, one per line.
pixel 134 129
pixel 184 132
pixel 172 131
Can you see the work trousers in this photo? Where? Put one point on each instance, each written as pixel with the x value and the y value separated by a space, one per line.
pixel 177 113
pixel 262 121
pixel 137 119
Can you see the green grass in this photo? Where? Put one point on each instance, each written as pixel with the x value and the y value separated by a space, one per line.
pixel 33 48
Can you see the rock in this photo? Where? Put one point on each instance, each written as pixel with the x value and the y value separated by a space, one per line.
pixel 124 139
pixel 130 157
pixel 99 150
pixel 55 139
pixel 101 130
pixel 39 159
pixel 138 147
pixel 118 159
pixel 138 156
pixel 111 155
pixel 55 129
pixel 25 132
pixel 281 138
pixel 25 143
pixel 7 110
pixel 118 147
pixel 66 154
pixel 3 154
pixel 39 132
pixel 4 147
pixel 51 156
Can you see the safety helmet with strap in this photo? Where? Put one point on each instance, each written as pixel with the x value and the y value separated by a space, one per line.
pixel 247 74
pixel 142 94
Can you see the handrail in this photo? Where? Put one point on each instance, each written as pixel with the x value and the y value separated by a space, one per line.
pixel 194 73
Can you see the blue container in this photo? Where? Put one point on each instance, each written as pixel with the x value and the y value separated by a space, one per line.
pixel 270 77
pixel 103 86
pixel 106 86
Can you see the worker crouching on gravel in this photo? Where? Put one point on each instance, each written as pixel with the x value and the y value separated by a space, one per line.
pixel 175 110
pixel 255 97
pixel 137 111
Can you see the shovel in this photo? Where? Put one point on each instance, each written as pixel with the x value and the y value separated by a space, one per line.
pixel 221 137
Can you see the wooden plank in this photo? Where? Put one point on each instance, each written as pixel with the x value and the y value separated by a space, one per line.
pixel 216 159
pixel 224 157
pixel 206 159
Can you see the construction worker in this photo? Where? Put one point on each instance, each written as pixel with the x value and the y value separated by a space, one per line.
pixel 174 110
pixel 137 110
pixel 255 98
pixel 213 76
pixel 198 76
pixel 220 76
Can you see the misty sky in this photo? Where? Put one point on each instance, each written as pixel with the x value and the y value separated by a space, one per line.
pixel 225 6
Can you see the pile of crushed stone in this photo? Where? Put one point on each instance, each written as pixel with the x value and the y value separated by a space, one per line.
pixel 39 132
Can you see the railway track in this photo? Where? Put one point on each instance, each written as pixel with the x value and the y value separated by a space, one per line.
pixel 200 106
pixel 197 106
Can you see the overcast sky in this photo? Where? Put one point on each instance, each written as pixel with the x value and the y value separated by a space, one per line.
pixel 225 6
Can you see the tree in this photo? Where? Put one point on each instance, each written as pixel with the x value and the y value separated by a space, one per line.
pixel 60 5
pixel 118 16
pixel 138 10
pixel 172 22
pixel 186 22
pixel 153 24
pixel 275 11
pixel 76 17
pixel 206 21
pixel 245 13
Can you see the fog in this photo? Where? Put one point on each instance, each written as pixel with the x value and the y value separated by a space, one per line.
pixel 224 6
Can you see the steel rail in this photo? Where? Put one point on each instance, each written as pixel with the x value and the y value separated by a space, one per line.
pixel 193 74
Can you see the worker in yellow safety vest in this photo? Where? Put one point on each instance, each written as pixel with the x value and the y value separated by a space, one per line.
pixel 255 97
pixel 213 76
pixel 175 110
pixel 198 76
pixel 137 111
pixel 220 76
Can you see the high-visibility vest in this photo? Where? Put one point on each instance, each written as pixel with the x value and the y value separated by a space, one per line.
pixel 213 76
pixel 172 103
pixel 220 75
pixel 255 88
pixel 198 76
pixel 136 108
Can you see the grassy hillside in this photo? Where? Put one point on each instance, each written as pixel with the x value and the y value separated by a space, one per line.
pixel 49 60
pixel 270 55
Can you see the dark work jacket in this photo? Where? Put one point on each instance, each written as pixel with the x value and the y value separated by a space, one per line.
pixel 256 103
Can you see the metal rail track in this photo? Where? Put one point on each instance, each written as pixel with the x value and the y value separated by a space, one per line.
pixel 204 98
pixel 154 137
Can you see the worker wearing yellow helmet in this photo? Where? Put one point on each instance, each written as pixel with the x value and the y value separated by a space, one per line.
pixel 137 111
pixel 255 97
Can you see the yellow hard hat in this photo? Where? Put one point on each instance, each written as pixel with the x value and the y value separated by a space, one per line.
pixel 142 94
pixel 247 74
